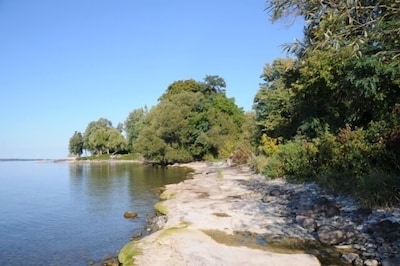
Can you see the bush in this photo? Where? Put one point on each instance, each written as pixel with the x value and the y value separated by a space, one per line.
pixel 294 160
pixel 379 189
pixel 257 163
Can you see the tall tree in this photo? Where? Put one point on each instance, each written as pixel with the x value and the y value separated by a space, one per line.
pixel 76 144
pixel 134 125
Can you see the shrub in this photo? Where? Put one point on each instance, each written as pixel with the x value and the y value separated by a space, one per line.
pixel 379 189
pixel 257 163
pixel 295 160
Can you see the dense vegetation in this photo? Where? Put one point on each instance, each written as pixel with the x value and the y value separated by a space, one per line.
pixel 332 114
pixel 192 121
pixel 329 114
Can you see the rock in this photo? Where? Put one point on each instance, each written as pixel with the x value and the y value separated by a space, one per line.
pixel 268 198
pixel 348 258
pixel 330 235
pixel 130 215
pixel 358 262
pixel 384 227
pixel 371 262
pixel 360 215
pixel 332 211
pixel 110 261
pixel 306 222
pixel 326 206
pixel 395 261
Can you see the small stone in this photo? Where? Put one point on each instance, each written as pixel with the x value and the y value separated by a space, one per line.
pixel 358 262
pixel 130 215
pixel 348 258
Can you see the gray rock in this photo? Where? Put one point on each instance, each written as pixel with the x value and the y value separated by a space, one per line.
pixel 395 261
pixel 358 262
pixel 330 235
pixel 348 258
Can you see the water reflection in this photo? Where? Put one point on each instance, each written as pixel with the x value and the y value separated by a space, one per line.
pixel 100 186
pixel 69 214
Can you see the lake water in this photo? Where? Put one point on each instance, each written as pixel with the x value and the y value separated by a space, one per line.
pixel 71 214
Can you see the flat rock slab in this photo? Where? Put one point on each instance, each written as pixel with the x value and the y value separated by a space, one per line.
pixel 212 200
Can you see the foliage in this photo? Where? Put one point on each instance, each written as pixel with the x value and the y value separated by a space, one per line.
pixel 133 125
pixel 295 159
pixel 337 24
pixel 100 137
pixel 192 121
pixel 269 146
pixel 334 110
pixel 273 103
pixel 76 144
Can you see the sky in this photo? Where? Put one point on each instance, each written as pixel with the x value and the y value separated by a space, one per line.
pixel 66 63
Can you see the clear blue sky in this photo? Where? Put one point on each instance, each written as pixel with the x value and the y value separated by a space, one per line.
pixel 64 63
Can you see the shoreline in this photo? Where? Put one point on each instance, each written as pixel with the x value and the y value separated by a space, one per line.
pixel 197 210
pixel 224 215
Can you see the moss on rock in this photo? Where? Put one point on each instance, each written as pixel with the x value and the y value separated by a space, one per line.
pixel 160 207
pixel 127 254
pixel 166 195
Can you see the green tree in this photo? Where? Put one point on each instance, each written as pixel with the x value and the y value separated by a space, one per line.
pixel 179 86
pixel 76 144
pixel 337 24
pixel 134 125
pixel 213 84
pixel 189 123
pixel 100 137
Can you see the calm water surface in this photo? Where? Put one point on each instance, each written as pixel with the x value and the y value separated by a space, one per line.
pixel 71 214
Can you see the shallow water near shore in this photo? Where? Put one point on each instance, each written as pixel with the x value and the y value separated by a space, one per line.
pixel 72 213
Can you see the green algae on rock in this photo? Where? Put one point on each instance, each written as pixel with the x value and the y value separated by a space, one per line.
pixel 127 254
pixel 159 207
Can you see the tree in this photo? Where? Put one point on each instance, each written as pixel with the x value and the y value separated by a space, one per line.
pixel 100 137
pixel 76 144
pixel 116 142
pixel 189 123
pixel 213 84
pixel 179 86
pixel 134 125
pixel 338 24
pixel 273 103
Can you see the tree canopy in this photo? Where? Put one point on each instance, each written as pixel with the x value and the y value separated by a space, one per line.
pixel 101 137
pixel 193 120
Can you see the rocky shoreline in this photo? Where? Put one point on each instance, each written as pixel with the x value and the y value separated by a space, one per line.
pixel 231 216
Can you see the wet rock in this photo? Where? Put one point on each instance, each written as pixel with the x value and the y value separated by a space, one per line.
pixel 330 235
pixel 110 261
pixel 130 215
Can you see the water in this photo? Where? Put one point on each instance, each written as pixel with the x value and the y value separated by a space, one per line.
pixel 71 214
